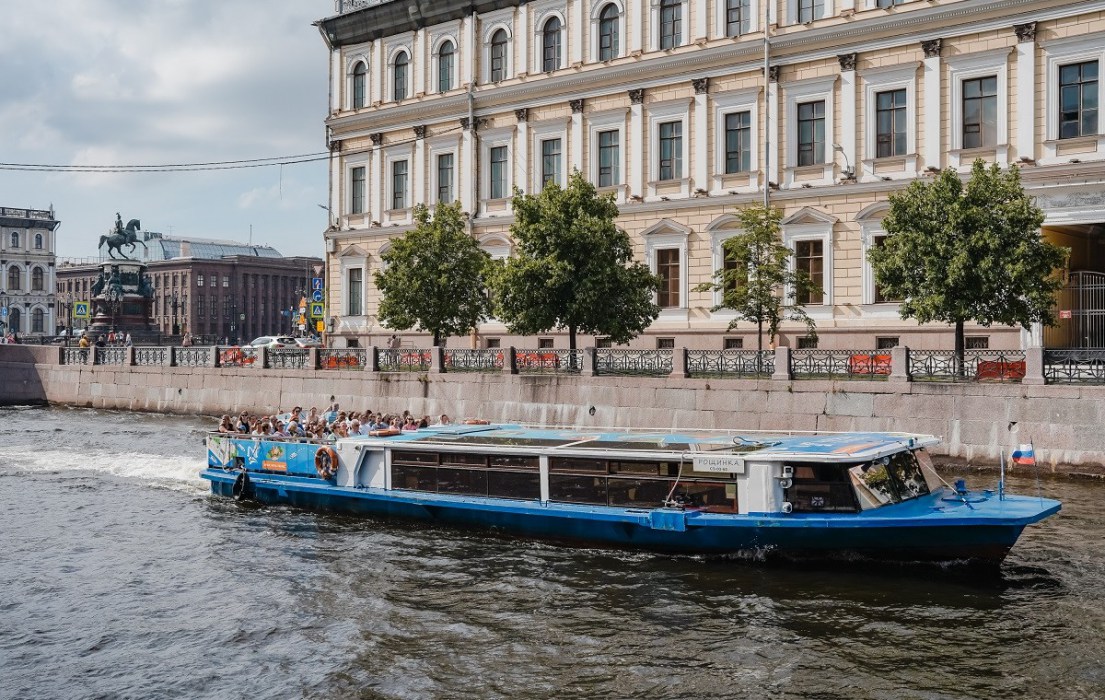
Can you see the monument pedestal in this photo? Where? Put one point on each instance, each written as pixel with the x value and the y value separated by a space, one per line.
pixel 122 301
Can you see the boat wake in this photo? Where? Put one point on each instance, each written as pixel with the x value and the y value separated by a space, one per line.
pixel 172 472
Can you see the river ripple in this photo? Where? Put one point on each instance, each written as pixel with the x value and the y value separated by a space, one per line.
pixel 120 577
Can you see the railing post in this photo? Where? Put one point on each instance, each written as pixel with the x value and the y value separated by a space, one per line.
pixel 128 358
pixel 510 361
pixel 782 365
pixel 437 359
pixel 899 364
pixel 172 356
pixel 61 354
pixel 679 363
pixel 262 360
pixel 590 362
pixel 312 358
pixel 216 358
pixel 372 359
pixel 1034 367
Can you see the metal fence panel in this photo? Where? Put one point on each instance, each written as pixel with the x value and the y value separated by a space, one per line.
pixel 193 356
pixel 549 361
pixel 403 360
pixel 1074 366
pixel 485 360
pixel 288 358
pixel 731 363
pixel 647 363
pixel 151 356
pixel 343 358
pixel 840 364
pixel 977 366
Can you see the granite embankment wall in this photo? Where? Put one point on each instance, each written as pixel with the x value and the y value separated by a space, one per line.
pixel 975 420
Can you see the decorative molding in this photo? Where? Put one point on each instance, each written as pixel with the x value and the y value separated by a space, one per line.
pixel 848 61
pixel 465 123
pixel 1025 32
pixel 701 85
pixel 577 106
pixel 932 47
pixel 637 96
pixel 773 73
pixel 377 138
pixel 521 114
pixel 420 131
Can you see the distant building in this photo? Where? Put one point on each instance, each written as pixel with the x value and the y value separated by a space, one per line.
pixel 27 256
pixel 210 288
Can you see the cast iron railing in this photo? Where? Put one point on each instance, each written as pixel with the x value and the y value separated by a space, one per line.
pixel 647 363
pixel 193 356
pixel 400 360
pixel 548 361
pixel 288 358
pixel 234 356
pixel 840 364
pixel 111 356
pixel 977 366
pixel 489 360
pixel 145 356
pixel 1074 366
pixel 75 356
pixel 731 363
pixel 344 358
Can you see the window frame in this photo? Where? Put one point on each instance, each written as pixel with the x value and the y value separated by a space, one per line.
pixel 802 92
pixel 683 19
pixel 597 21
pixel 558 171
pixel 795 16
pixel 393 73
pixel 354 304
pixel 1058 53
pixel 881 80
pixel 748 21
pixel 358 74
pixel 437 158
pixel 354 195
pixel 898 111
pixel 667 235
pixel 492 139
pixel 545 131
pixel 490 45
pixel 1080 84
pixel 666 113
pixel 669 166
pixel 724 105
pixel 438 68
pixel 823 231
pixel 542 43
pixel 969 67
pixel 498 157
pixel 598 124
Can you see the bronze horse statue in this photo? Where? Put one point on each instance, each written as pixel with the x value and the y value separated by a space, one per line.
pixel 120 237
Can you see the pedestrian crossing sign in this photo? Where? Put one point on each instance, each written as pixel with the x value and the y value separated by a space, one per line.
pixel 81 310
pixel 317 310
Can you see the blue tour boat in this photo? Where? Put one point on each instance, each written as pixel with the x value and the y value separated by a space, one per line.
pixel 790 495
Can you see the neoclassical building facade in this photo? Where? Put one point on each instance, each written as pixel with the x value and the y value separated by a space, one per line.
pixel 28 252
pixel 667 105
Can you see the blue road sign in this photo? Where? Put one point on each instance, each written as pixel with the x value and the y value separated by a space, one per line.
pixel 3 311
pixel 316 283
pixel 316 295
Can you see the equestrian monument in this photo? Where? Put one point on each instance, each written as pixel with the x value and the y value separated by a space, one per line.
pixel 122 296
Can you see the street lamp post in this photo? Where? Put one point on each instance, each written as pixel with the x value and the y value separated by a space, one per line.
pixel 175 301
pixel 67 304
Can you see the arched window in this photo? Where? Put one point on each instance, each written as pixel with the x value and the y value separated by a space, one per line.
pixel 15 320
pixel 550 45
pixel 399 77
pixel 445 67
pixel 37 280
pixel 38 241
pixel 38 319
pixel 15 239
pixel 608 32
pixel 359 77
pixel 14 278
pixel 498 55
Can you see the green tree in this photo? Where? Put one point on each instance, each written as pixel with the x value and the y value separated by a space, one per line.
pixel 958 253
pixel 573 268
pixel 759 283
pixel 434 277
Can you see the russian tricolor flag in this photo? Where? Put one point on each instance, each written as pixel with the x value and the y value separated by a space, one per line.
pixel 1024 455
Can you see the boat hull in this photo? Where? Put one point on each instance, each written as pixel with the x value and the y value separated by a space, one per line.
pixel 772 536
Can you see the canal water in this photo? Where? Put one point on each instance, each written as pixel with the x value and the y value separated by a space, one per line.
pixel 120 577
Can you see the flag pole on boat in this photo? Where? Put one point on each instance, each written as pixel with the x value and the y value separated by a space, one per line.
pixel 1001 476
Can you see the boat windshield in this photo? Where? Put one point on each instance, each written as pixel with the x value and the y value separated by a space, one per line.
pixel 898 477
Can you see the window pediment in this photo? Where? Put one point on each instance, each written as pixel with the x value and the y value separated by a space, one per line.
pixel 809 216
pixel 666 227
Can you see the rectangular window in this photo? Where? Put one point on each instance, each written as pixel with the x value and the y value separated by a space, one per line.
pixel 667 268
pixel 811 133
pixel 498 172
pixel 665 343
pixel 492 343
pixel 809 10
pixel 399 184
pixel 445 178
pixel 888 3
pixel 544 343
pixel 738 17
pixel 201 307
pixel 890 123
pixel 809 258
pixel 609 159
pixel 445 69
pixel 226 281
pixel 980 112
pixel 976 342
pixel 671 151
pixel 1078 100
pixel 199 280
pixel 671 23
pixel 550 162
pixel 738 142
pixel 887 342
pixel 355 279
pixel 733 344
pixel 603 343
pixel 357 195
pixel 807 343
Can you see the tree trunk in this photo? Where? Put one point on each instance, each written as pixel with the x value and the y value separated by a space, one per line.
pixel 437 339
pixel 960 367
pixel 571 346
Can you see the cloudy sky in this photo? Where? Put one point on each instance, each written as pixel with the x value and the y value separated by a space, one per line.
pixel 150 82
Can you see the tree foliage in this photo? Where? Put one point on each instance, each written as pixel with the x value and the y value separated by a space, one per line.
pixel 959 253
pixel 434 277
pixel 572 268
pixel 761 285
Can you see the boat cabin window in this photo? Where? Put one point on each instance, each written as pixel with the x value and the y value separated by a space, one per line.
pixel 467 474
pixel 821 488
pixel 892 479
pixel 637 484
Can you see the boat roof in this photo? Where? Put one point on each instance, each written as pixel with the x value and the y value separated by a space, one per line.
pixel 775 446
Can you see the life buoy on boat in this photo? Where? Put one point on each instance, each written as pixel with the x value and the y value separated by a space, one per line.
pixel 386 432
pixel 326 462
pixel 477 421
pixel 243 489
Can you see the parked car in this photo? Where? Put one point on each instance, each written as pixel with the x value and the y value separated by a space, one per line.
pixel 307 343
pixel 272 342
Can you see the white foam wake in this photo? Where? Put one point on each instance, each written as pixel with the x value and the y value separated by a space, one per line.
pixel 175 472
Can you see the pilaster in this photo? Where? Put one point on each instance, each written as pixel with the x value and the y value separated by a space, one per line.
pixel 701 156
pixel 848 108
pixel 635 156
pixel 933 107
pixel 1026 91
pixel 577 135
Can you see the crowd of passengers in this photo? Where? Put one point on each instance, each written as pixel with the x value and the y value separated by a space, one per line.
pixel 331 424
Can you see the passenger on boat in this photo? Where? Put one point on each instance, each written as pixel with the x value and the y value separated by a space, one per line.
pixel 411 424
pixel 226 425
pixel 444 420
